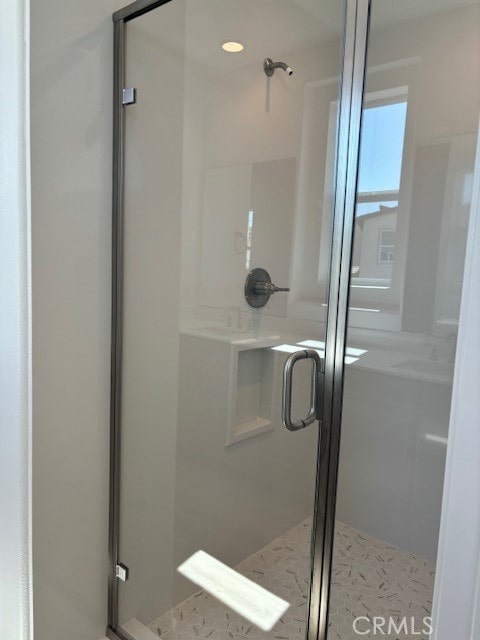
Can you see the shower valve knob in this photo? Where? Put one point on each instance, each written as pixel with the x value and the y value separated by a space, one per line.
pixel 259 288
pixel 267 287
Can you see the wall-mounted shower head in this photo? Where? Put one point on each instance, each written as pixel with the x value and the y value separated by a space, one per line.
pixel 269 67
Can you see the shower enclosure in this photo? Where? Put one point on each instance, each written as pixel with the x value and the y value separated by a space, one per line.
pixel 275 194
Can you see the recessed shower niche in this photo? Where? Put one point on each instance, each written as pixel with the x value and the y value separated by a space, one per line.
pixel 250 397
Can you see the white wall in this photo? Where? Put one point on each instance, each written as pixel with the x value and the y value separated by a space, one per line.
pixel 15 425
pixel 391 467
pixel 457 588
pixel 239 129
pixel 231 501
pixel 395 430
pixel 153 204
pixel 71 75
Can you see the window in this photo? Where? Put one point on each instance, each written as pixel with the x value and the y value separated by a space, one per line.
pixel 381 150
pixel 386 245
pixel 378 194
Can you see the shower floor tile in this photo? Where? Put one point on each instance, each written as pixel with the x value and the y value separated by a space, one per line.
pixel 370 578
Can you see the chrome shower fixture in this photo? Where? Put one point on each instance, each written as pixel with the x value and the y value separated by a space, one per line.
pixel 259 288
pixel 269 67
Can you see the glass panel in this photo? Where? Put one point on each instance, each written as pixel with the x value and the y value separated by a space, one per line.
pixel 419 136
pixel 227 169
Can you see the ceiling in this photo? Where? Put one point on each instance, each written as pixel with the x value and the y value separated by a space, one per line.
pixel 270 28
pixel 266 28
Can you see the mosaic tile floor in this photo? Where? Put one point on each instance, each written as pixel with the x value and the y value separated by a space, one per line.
pixel 370 578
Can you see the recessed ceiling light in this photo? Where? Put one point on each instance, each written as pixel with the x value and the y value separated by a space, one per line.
pixel 232 47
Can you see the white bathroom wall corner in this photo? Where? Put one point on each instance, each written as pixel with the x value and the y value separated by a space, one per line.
pixel 15 423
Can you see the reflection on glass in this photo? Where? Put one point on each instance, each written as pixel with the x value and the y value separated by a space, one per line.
pixel 254 603
pixel 206 463
pixel 216 185
pixel 248 252
pixel 381 149
pixel 413 204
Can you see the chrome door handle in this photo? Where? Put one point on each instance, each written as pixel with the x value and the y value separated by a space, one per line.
pixel 316 390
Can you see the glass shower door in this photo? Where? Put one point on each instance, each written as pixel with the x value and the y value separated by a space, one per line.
pixel 414 193
pixel 228 141
pixel 228 165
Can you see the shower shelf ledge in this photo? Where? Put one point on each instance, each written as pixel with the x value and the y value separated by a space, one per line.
pixel 250 390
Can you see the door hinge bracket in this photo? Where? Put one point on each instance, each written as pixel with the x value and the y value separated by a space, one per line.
pixel 121 572
pixel 129 95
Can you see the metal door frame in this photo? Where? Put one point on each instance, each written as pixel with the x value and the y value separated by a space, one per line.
pixel 357 22
pixel 353 72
